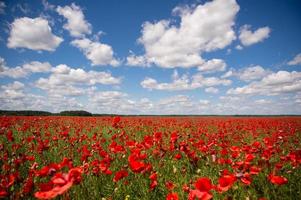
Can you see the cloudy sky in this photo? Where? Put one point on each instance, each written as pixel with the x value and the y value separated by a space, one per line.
pixel 151 57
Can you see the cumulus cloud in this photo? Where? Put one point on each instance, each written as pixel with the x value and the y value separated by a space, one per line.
pixel 272 84
pixel 15 96
pixel 13 90
pixel 296 60
pixel 238 47
pixel 212 90
pixel 247 37
pixel 97 52
pixel 184 104
pixel 21 99
pixel 76 23
pixel 107 98
pixel 16 72
pixel 32 33
pixel 24 70
pixel 213 65
pixel 203 28
pixel 184 82
pixel 117 102
pixel 228 74
pixel 204 102
pixel 37 67
pixel 73 82
pixel 253 72
pixel 63 74
pixel 133 60
pixel 262 101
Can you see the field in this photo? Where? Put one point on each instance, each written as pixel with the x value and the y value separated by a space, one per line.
pixel 150 158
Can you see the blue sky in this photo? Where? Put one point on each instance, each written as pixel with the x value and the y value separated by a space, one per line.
pixel 151 57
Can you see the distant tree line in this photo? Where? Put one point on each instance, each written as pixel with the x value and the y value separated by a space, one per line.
pixel 75 113
pixel 44 113
pixel 85 113
pixel 25 113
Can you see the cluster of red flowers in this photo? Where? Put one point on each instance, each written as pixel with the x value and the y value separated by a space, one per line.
pixel 190 158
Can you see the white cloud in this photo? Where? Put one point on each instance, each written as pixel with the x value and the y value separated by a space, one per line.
pixel 296 60
pixel 179 84
pixel 178 99
pixel 199 80
pixel 74 76
pixel 184 82
pixel 262 101
pixel 16 72
pixel 204 102
pixel 73 82
pixel 228 74
pixel 273 84
pixel 13 90
pixel 213 65
pixel 119 102
pixel 253 72
pixel 212 90
pixel 133 60
pixel 238 47
pixel 26 100
pixel 107 97
pixel 24 70
pixel 16 96
pixel 282 77
pixel 76 23
pixel 32 33
pixel 116 102
pixel 247 37
pixel 203 28
pixel 96 52
pixel 37 67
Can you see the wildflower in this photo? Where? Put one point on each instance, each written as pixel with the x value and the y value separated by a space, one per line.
pixel 225 182
pixel 277 180
pixel 172 196
pixel 120 175
pixel 59 184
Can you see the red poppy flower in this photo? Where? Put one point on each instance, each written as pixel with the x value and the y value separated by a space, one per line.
pixel 135 164
pixel 225 183
pixel 120 175
pixel 249 157
pixel 153 178
pixel 172 196
pixel 59 184
pixel 9 136
pixel 203 184
pixel 193 194
pixel 115 121
pixel 246 179
pixel 3 193
pixel 277 180
pixel 178 156
pixel 255 170
pixel 169 185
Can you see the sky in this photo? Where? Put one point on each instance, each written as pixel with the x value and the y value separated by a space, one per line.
pixel 151 57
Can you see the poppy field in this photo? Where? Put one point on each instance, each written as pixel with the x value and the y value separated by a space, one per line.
pixel 150 158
